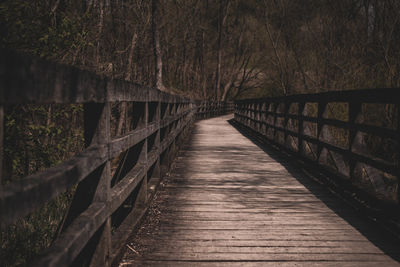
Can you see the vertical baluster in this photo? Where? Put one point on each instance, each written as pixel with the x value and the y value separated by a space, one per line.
pixel 285 123
pixel 1 144
pixel 300 112
pixel 354 111
pixel 164 161
pixel 321 157
pixel 275 110
pixel 141 200
pixel 267 126
pixel 398 149
pixel 95 187
pixel 157 118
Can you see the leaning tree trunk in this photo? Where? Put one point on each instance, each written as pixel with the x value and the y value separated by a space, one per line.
pixel 156 46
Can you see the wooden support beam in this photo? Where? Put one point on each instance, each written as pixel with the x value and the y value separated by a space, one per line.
pixel 1 144
pixel 160 122
pixel 95 188
pixel 322 142
pixel 354 111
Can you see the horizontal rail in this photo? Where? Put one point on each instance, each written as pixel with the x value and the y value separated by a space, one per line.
pixel 26 195
pixel 119 194
pixel 25 79
pixel 207 109
pixel 35 190
pixel 102 204
pixel 378 95
pixel 288 123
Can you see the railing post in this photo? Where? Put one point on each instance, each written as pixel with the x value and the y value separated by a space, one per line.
pixel 300 112
pixel 285 122
pixel 320 125
pixel 141 200
pixel 95 188
pixel 354 110
pixel 275 108
pixel 164 161
pixel 258 119
pixel 1 144
pixel 157 118
pixel 171 152
pixel 398 149
pixel 263 118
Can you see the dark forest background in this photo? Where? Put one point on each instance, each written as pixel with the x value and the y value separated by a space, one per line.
pixel 201 49
pixel 217 49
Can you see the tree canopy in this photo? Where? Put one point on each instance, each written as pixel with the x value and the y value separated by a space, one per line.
pixel 217 49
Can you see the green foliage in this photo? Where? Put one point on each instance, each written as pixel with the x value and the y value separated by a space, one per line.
pixel 28 237
pixel 29 26
pixel 37 137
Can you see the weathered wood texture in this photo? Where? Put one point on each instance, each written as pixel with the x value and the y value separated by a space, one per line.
pixel 26 79
pixel 228 203
pixel 338 133
pixel 208 109
pixel 104 208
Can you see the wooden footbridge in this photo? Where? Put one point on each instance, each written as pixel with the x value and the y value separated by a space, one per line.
pixel 290 181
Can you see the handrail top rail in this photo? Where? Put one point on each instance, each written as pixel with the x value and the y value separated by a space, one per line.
pixel 29 79
pixel 360 95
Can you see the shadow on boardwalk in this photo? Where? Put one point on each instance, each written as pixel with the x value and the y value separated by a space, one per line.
pixel 228 201
pixel 375 233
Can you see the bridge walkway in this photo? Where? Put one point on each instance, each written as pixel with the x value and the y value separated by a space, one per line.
pixel 229 203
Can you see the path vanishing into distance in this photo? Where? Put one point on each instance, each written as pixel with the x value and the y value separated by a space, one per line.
pixel 227 202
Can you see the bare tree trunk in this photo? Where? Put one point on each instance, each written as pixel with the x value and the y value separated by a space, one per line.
pixel 121 119
pixel 87 5
pixel 227 87
pixel 48 123
pixel 274 45
pixel 54 8
pixel 184 68
pixel 303 76
pixel 221 22
pixel 156 47
pixel 128 75
pixel 203 78
pixel 100 31
pixel 130 58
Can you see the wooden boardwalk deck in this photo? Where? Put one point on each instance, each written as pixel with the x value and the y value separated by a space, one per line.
pixel 228 203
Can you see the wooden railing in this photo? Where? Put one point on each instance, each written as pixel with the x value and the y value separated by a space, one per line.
pixel 353 135
pixel 207 109
pixel 104 209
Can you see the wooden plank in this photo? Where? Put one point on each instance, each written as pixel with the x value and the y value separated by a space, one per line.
pixel 27 79
pixel 32 80
pixel 349 249
pixel 86 228
pixel 125 142
pixel 218 207
pixel 1 145
pixel 132 138
pixel 21 197
pixel 255 263
pixel 95 188
pixel 249 209
pixel 73 240
pixel 125 187
pixel 270 250
pixel 270 257
pixel 162 242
